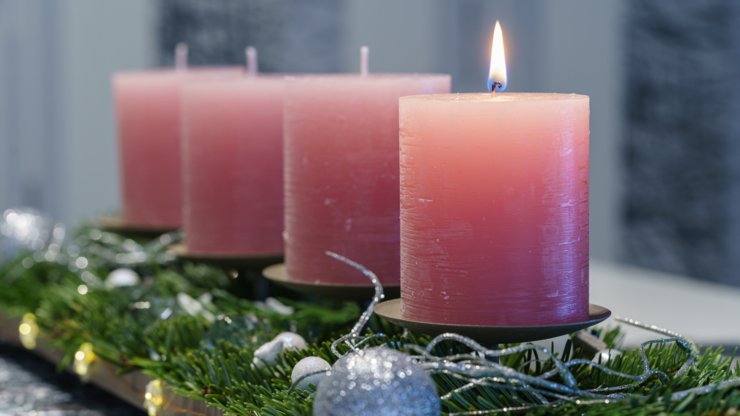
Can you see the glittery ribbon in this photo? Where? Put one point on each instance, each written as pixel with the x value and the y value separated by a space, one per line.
pixel 357 329
pixel 477 371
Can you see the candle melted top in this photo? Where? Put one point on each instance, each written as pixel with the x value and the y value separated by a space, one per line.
pixel 499 97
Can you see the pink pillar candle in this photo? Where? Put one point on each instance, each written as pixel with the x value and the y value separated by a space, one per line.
pixel 233 166
pixel 494 209
pixel 341 173
pixel 148 116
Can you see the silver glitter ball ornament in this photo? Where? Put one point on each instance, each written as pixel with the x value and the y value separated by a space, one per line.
pixel 312 366
pixel 376 381
pixel 26 228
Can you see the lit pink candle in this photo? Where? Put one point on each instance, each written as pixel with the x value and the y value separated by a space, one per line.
pixel 494 208
pixel 233 166
pixel 148 116
pixel 341 173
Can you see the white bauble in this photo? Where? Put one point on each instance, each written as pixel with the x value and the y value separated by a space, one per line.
pixel 267 354
pixel 309 365
pixel 122 277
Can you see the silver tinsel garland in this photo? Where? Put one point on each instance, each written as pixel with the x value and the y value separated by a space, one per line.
pixel 94 249
pixel 476 370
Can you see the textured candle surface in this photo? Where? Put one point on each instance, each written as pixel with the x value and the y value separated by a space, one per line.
pixel 233 166
pixel 494 208
pixel 341 173
pixel 148 117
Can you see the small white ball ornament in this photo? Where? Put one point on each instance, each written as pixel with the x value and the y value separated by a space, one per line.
pixel 376 381
pixel 309 365
pixel 267 354
pixel 122 277
pixel 605 355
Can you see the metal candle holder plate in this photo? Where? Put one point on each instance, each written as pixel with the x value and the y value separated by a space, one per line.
pixel 118 225
pixel 490 335
pixel 239 262
pixel 278 274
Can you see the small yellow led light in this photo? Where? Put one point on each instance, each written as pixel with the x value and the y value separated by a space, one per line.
pixel 154 397
pixel 83 358
pixel 28 331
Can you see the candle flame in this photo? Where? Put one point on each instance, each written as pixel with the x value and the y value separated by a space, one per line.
pixel 497 71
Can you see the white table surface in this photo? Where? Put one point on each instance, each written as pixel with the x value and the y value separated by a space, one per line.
pixel 706 312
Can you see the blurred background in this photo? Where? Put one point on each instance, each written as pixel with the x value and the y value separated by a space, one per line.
pixel 665 192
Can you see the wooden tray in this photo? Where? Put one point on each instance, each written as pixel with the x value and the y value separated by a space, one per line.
pixel 130 387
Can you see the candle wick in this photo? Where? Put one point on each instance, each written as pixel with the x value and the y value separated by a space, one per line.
pixel 493 88
pixel 252 68
pixel 364 57
pixel 181 56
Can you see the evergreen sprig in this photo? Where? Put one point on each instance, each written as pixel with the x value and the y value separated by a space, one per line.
pixel 213 361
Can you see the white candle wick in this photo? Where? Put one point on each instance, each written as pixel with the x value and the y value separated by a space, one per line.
pixel 252 67
pixel 364 54
pixel 181 56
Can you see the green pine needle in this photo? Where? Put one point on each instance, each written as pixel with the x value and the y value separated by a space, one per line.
pixel 213 361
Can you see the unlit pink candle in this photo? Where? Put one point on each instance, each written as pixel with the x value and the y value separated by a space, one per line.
pixel 494 208
pixel 233 166
pixel 148 116
pixel 341 173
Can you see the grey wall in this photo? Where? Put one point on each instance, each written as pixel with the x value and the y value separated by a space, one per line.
pixel 290 35
pixel 29 101
pixel 99 38
pixel 682 205
pixel 57 148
